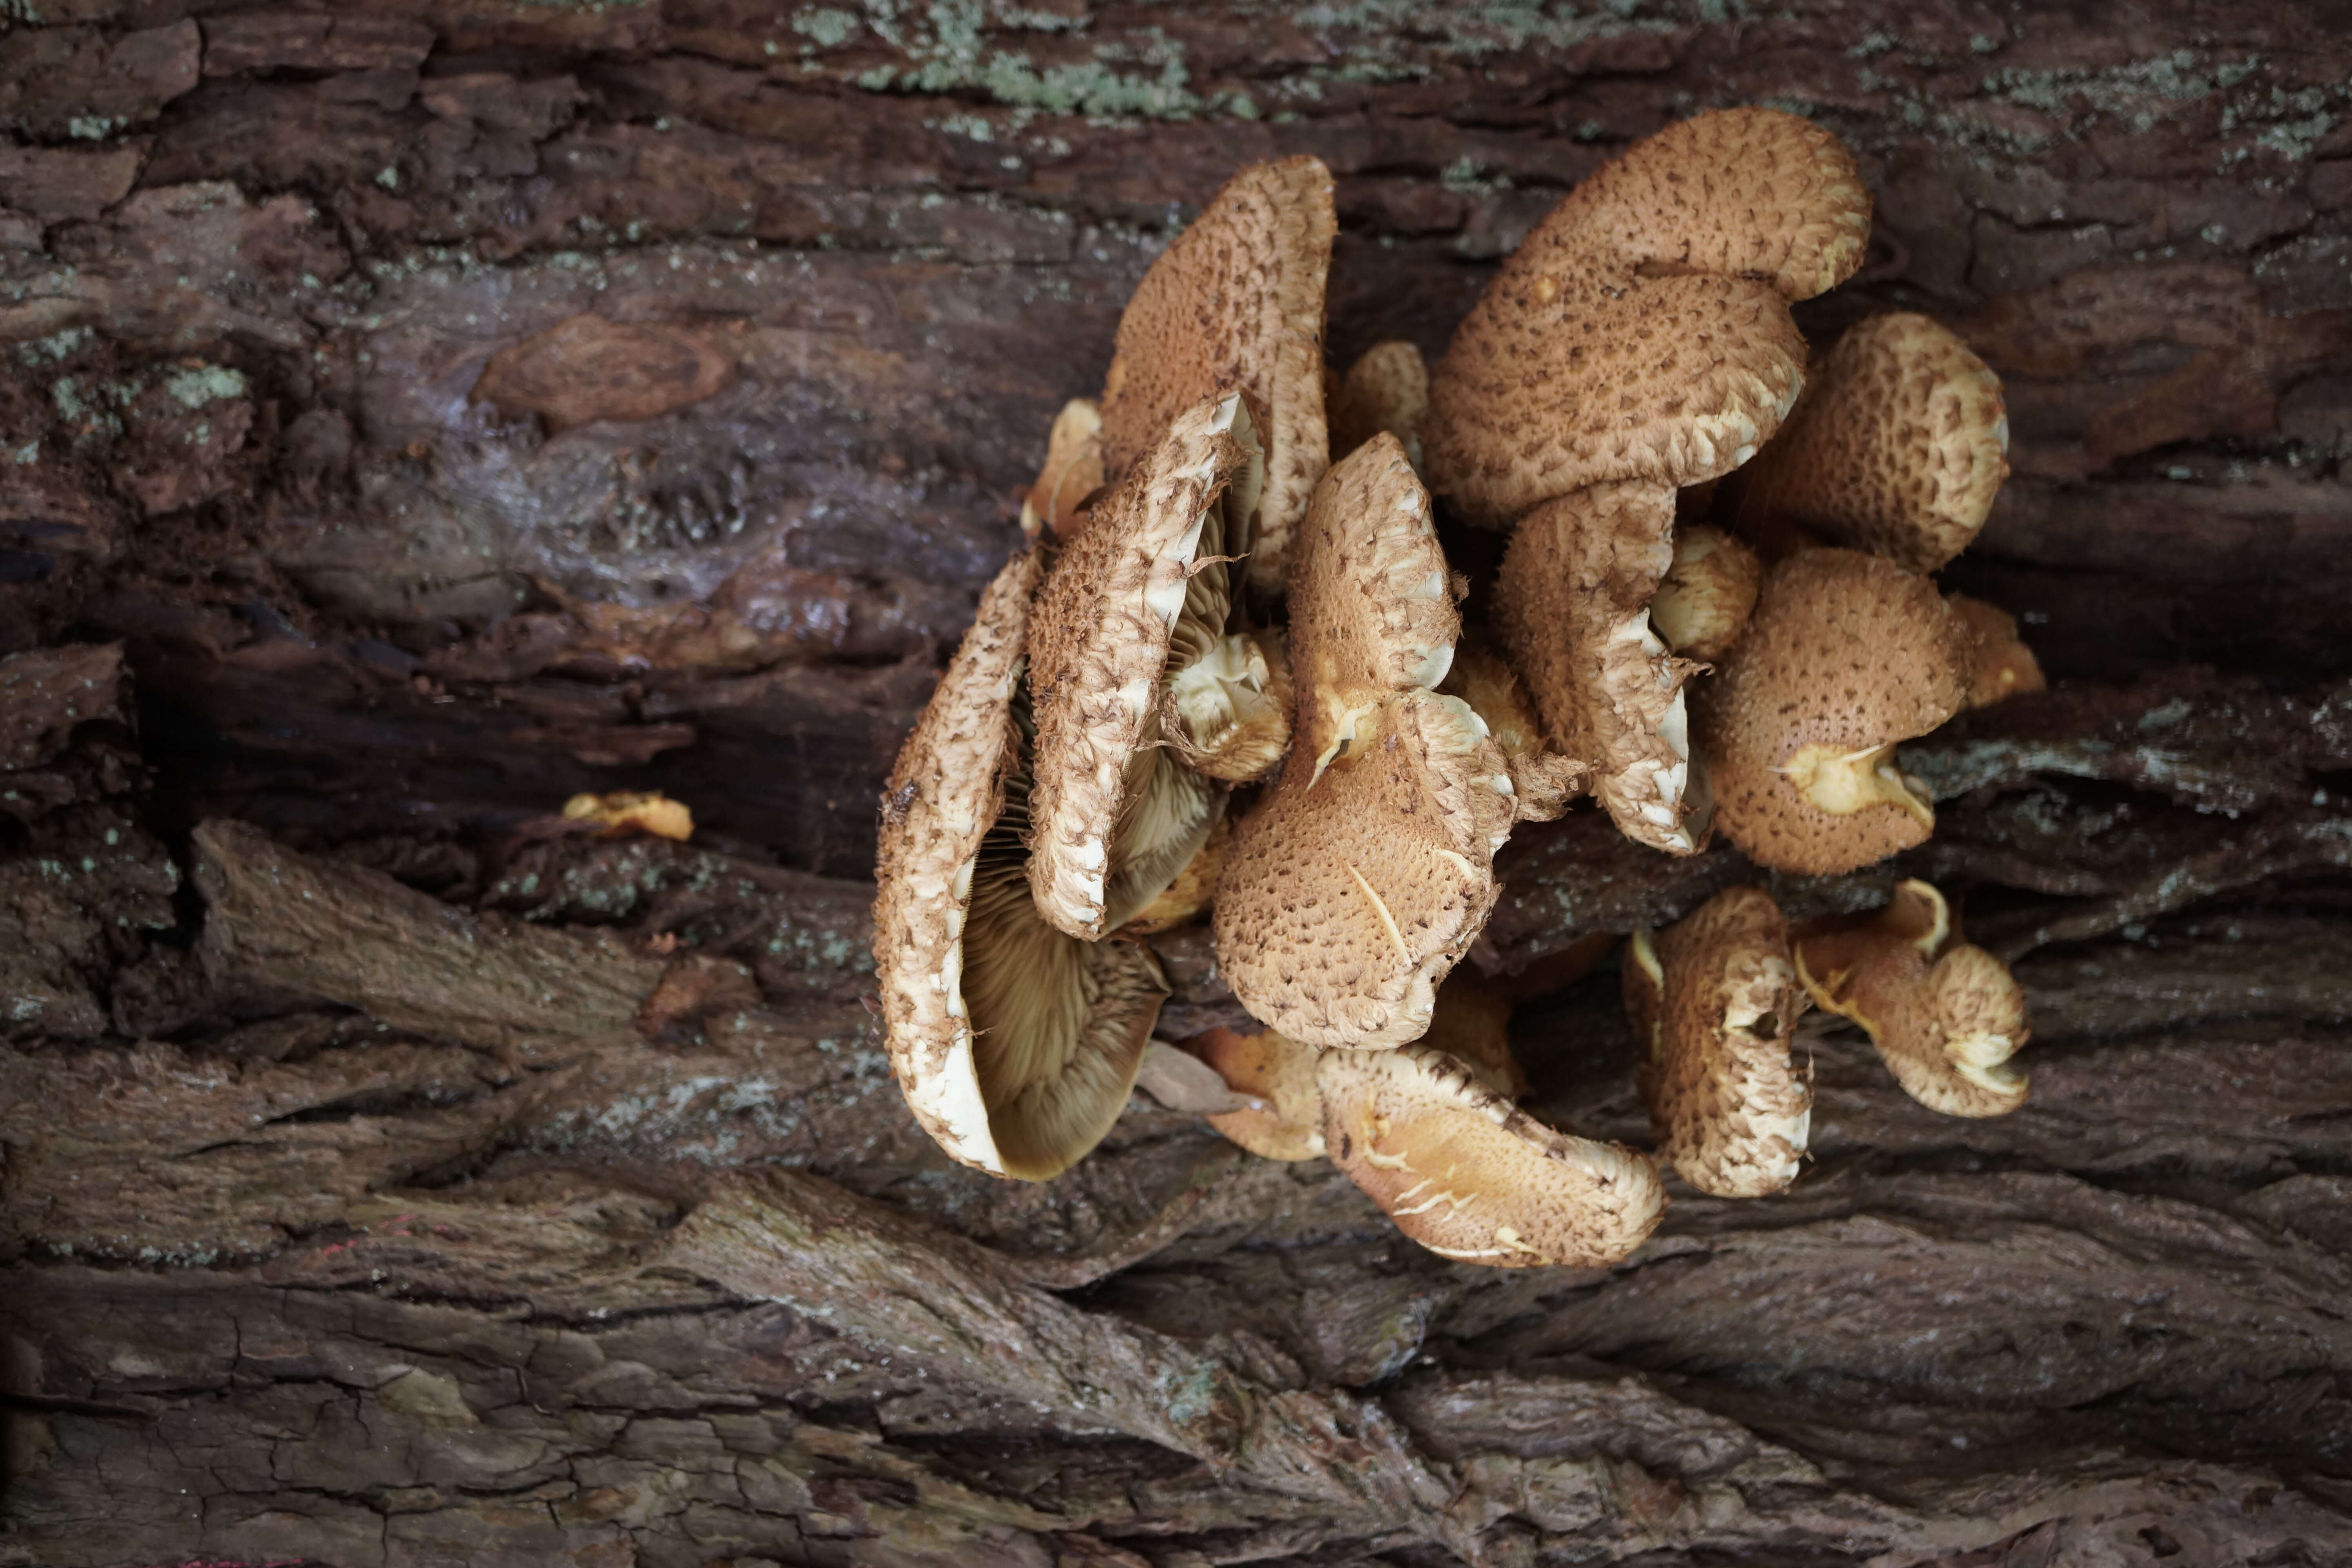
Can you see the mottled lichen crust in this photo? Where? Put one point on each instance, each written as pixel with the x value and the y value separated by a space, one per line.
pixel 1472 1178
pixel 1946 1016
pixel 1364 874
pixel 1898 446
pixel 1643 329
pixel 944 794
pixel 1713 1000
pixel 1845 655
pixel 1572 605
pixel 1101 638
pixel 1237 300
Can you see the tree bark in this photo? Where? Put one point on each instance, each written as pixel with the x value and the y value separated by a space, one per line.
pixel 409 418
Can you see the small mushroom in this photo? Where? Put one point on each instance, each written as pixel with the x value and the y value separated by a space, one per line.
pixel 1279 1073
pixel 1641 332
pixel 1364 873
pixel 1573 603
pixel 1386 389
pixel 2000 664
pixel 1712 999
pixel 1543 780
pixel 1846 655
pixel 1472 1023
pixel 1015 1046
pixel 1471 1177
pixel 1946 1016
pixel 1132 615
pixel 1073 471
pixel 1897 446
pixel 1236 300
pixel 1702 604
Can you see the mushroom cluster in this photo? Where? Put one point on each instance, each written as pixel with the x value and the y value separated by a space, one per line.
pixel 1230 675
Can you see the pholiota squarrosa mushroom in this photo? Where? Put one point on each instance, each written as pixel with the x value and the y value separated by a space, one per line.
pixel 1945 1016
pixel 1363 873
pixel 1016 1045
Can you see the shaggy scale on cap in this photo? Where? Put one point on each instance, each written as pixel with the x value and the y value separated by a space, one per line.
pixel 1364 874
pixel 1713 1000
pixel 1470 1177
pixel 1572 605
pixel 1898 446
pixel 1014 1045
pixel 1846 655
pixel 1133 608
pixel 1237 300
pixel 1946 1016
pixel 1642 329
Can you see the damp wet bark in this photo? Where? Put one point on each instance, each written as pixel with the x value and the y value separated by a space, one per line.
pixel 412 415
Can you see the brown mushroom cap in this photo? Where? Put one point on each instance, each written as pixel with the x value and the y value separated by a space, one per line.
pixel 1470 1177
pixel 1140 596
pixel 1386 389
pixel 2000 664
pixel 1543 779
pixel 1073 471
pixel 1365 871
pixel 1572 605
pixel 1713 1000
pixel 1846 655
pixel 1277 1071
pixel 1236 300
pixel 1945 1016
pixel 1014 1045
pixel 1897 446
pixel 1643 329
pixel 1702 604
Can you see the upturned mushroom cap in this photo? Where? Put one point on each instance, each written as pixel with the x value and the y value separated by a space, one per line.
pixel 1365 871
pixel 1470 1177
pixel 1572 604
pixel 1386 389
pixel 1279 1073
pixel 2000 663
pixel 1133 607
pixel 1712 999
pixel 1945 1016
pixel 1543 778
pixel 1846 655
pixel 1073 471
pixel 1236 302
pixel 1898 445
pixel 1015 1046
pixel 1702 604
pixel 1643 329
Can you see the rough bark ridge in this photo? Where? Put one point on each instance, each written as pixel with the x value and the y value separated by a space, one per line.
pixel 412 414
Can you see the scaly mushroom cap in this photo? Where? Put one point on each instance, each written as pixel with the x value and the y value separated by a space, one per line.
pixel 1708 593
pixel 1015 1046
pixel 1279 1071
pixel 1130 614
pixel 1472 1178
pixel 1846 655
pixel 1386 389
pixel 1236 302
pixel 1573 605
pixel 1946 1017
pixel 1073 471
pixel 1543 779
pixel 1365 871
pixel 1713 1000
pixel 1643 329
pixel 1898 445
pixel 2001 665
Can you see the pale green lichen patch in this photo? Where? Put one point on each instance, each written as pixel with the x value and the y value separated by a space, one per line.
pixel 204 383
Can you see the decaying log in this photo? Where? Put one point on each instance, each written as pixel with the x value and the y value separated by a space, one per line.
pixel 409 419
